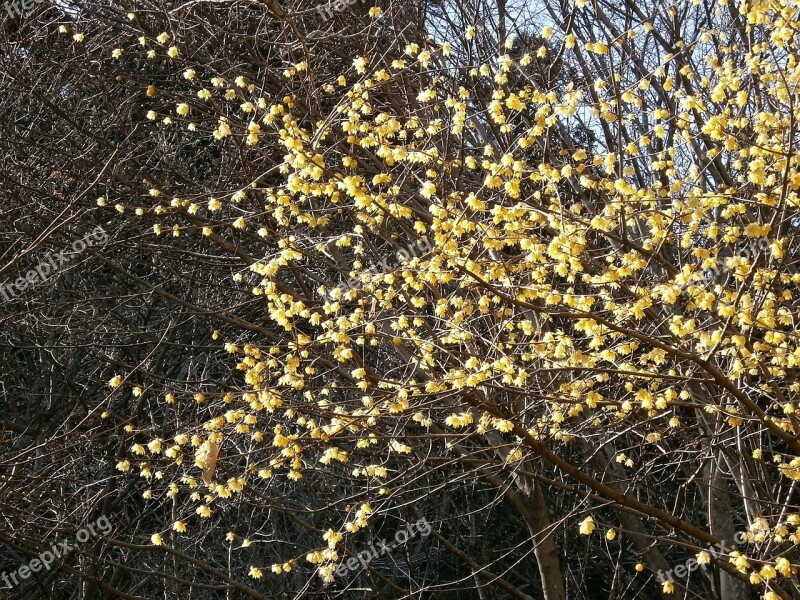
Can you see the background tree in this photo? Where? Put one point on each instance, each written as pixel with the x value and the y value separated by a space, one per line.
pixel 526 274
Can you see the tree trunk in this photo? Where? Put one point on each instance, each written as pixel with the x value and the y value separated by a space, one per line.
pixel 544 549
pixel 720 519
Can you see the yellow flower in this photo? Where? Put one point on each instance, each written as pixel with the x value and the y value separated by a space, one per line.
pixel 428 189
pixel 587 526
pixel 668 587
pixel 255 572
pixel 332 537
pixel 597 47
pixel 426 95
pixel 783 566
pixel 78 37
pixel 172 52
pixel 179 526
pixel 768 572
pixel 360 63
pixel 163 37
pixel 115 381
pixel 156 539
pixel 756 230
pixel 223 130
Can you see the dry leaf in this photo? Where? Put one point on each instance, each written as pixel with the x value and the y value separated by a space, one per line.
pixel 211 462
